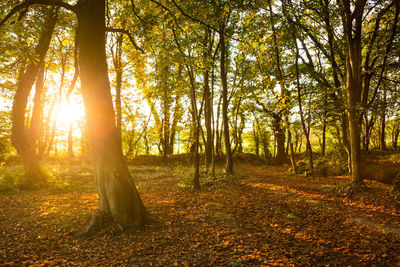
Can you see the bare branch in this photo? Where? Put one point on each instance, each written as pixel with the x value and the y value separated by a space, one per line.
pixel 109 29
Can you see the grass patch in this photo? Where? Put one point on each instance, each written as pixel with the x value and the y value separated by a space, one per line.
pixel 60 178
pixel 9 177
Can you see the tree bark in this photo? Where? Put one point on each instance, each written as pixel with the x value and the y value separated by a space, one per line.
pixel 175 119
pixel 119 198
pixel 228 152
pixel 280 140
pixel 37 112
pixel 70 142
pixel 383 120
pixel 303 123
pixel 256 140
pixel 117 61
pixel 352 25
pixel 207 98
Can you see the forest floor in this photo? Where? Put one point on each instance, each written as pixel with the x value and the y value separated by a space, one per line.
pixel 262 215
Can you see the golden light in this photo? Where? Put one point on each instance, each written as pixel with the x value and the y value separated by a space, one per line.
pixel 70 112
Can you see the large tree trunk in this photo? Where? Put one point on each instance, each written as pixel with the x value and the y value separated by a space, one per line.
pixel 119 198
pixel 224 79
pixel 21 137
pixel 352 25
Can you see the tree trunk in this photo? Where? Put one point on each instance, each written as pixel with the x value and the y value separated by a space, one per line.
pixel 224 79
pixel 208 100
pixel 292 153
pixel 280 140
pixel 175 119
pixel 20 136
pixel 279 127
pixel 352 24
pixel 118 82
pixel 256 140
pixel 213 126
pixel 70 142
pixel 119 198
pixel 345 138
pixel 37 112
pixel 383 120
pixel 196 120
pixel 240 134
pixel 323 146
pixel 218 132
pixel 369 124
pixel 303 123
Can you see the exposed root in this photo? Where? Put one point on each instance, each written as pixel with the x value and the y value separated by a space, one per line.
pixel 351 189
pixel 96 222
pixel 103 222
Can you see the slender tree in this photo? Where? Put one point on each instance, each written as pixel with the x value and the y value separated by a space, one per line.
pixel 22 138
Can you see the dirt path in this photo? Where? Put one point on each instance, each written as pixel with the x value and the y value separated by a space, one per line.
pixel 261 216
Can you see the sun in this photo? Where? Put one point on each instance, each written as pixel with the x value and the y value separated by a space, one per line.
pixel 70 112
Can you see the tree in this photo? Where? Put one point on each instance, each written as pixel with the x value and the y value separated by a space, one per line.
pixel 119 198
pixel 118 195
pixel 23 138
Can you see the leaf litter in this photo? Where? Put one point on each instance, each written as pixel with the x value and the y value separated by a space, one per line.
pixel 262 217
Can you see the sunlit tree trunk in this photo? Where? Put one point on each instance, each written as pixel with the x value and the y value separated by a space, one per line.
pixel 21 136
pixel 70 142
pixel 119 198
pixel 117 61
pixel 37 112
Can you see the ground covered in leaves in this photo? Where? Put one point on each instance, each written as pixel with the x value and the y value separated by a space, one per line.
pixel 262 215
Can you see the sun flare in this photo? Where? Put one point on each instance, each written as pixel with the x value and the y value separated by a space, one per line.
pixel 70 112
